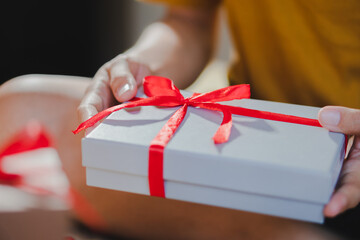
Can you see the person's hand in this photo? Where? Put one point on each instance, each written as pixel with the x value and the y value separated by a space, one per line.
pixel 347 121
pixel 116 81
pixel 178 47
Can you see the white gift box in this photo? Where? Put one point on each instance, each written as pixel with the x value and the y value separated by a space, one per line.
pixel 270 167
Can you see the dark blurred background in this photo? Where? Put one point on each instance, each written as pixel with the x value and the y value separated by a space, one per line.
pixel 68 37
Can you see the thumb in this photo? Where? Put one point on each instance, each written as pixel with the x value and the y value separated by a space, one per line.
pixel 340 119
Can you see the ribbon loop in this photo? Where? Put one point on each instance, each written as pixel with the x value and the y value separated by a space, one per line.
pixel 160 86
pixel 224 94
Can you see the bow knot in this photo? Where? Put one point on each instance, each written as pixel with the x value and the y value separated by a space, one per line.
pixel 162 92
pixel 187 101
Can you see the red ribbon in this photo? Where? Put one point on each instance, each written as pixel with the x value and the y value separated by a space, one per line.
pixel 31 137
pixel 162 92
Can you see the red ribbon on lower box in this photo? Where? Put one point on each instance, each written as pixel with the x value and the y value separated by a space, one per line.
pixel 30 138
pixel 34 137
pixel 163 93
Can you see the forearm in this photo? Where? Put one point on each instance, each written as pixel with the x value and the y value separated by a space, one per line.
pixel 179 46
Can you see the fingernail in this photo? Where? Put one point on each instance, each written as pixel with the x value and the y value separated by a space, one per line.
pixel 124 89
pixel 330 117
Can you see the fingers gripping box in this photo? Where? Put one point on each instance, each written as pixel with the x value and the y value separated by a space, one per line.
pixel 270 167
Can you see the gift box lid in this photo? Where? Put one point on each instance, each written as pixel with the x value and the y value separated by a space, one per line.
pixel 262 156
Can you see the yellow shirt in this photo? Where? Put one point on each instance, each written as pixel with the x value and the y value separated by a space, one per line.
pixel 297 51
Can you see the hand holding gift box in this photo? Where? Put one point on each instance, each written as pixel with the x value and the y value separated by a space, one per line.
pixel 347 121
pixel 268 168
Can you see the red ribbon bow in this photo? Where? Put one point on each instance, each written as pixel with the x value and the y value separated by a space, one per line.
pixel 162 92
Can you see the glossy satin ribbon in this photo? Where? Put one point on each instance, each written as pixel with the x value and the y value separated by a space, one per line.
pixel 162 92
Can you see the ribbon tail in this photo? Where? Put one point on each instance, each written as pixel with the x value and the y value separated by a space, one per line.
pixel 91 121
pixel 223 133
pixel 156 152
